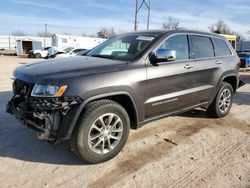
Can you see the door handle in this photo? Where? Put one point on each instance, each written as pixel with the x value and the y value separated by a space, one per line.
pixel 218 62
pixel 188 66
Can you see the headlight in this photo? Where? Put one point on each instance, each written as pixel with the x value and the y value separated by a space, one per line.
pixel 48 91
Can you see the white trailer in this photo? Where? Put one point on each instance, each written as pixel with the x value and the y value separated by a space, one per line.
pixel 63 41
pixel 10 42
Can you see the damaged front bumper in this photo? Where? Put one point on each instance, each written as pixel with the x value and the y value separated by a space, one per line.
pixel 47 116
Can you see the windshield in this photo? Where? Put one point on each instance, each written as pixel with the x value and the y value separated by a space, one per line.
pixel 123 47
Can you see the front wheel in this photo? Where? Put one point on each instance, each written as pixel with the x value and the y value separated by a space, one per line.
pixel 223 101
pixel 102 131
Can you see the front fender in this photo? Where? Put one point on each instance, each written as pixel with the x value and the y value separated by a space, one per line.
pixel 70 120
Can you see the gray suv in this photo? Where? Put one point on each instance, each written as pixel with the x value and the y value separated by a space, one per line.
pixel 94 100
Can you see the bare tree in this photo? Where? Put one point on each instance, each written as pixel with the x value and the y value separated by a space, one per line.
pixel 92 35
pixel 66 33
pixel 171 24
pixel 43 34
pixel 84 34
pixel 106 33
pixel 18 33
pixel 89 35
pixel 220 27
pixel 122 31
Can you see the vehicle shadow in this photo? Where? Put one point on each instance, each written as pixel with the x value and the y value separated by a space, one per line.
pixel 242 98
pixel 196 113
pixel 21 143
pixel 245 78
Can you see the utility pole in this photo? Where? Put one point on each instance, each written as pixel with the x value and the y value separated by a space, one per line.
pixel 46 30
pixel 147 3
pixel 149 7
pixel 46 35
pixel 136 12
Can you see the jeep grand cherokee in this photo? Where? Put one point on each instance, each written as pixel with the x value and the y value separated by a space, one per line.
pixel 94 100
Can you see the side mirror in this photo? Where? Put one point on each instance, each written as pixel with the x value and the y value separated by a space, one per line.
pixel 162 55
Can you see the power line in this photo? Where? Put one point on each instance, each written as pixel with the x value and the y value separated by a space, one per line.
pixel 138 6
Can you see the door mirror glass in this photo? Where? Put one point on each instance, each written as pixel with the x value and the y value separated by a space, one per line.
pixel 163 55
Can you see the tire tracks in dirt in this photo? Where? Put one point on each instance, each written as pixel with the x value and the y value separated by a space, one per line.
pixel 135 161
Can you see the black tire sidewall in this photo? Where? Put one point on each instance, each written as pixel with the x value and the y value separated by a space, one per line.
pixel 83 149
pixel 223 87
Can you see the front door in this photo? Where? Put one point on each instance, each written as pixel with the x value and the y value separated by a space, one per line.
pixel 169 84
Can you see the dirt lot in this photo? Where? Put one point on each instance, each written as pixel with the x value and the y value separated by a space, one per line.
pixel 204 152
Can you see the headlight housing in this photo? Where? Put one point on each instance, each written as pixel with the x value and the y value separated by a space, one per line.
pixel 40 90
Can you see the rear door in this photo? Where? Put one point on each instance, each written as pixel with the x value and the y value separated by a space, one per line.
pixel 168 87
pixel 205 78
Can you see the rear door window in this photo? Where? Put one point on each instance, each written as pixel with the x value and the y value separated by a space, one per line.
pixel 221 48
pixel 179 44
pixel 201 47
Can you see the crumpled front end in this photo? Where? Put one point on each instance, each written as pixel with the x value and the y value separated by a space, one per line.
pixel 42 114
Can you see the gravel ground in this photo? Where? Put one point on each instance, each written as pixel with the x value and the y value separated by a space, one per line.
pixel 190 150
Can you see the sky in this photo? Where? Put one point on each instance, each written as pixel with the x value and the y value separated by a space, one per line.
pixel 82 16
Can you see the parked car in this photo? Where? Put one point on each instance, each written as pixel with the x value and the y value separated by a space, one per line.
pixel 38 53
pixel 71 53
pixel 248 62
pixel 54 51
pixel 243 59
pixel 83 53
pixel 129 80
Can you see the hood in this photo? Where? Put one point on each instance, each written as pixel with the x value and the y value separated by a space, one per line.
pixel 66 68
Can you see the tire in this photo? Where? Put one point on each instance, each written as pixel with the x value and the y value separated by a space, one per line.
pixel 90 131
pixel 223 101
pixel 37 55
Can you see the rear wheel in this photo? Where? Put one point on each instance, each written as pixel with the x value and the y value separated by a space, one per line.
pixel 102 131
pixel 222 103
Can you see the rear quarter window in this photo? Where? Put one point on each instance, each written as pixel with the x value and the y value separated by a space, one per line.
pixel 201 47
pixel 221 48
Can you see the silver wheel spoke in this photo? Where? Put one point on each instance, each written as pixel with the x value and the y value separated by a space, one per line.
pixel 224 94
pixel 114 137
pixel 109 145
pixel 102 122
pixel 97 143
pixel 116 122
pixel 110 119
pixel 228 97
pixel 96 128
pixel 117 130
pixel 103 145
pixel 220 104
pixel 95 137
